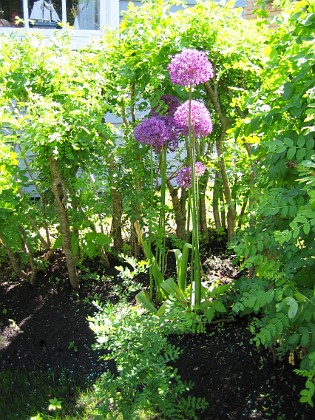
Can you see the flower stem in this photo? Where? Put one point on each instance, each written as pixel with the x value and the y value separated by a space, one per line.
pixel 150 222
pixel 195 260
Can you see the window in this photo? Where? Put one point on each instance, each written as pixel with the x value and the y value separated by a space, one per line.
pixel 81 14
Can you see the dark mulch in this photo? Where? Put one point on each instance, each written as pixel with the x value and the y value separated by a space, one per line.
pixel 45 328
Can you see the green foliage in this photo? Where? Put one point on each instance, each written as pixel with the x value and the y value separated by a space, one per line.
pixel 278 248
pixel 145 382
pixel 51 109
pixel 182 265
pixel 138 77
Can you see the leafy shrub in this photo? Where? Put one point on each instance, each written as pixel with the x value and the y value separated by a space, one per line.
pixel 278 248
pixel 145 381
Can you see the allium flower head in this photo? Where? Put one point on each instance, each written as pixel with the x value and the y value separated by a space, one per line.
pixel 190 68
pixel 183 177
pixel 200 119
pixel 152 131
pixel 199 168
pixel 171 104
pixel 173 132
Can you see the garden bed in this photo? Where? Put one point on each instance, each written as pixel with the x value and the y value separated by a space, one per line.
pixel 44 329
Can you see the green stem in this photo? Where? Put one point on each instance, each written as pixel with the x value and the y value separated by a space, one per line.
pixel 163 204
pixel 195 261
pixel 150 222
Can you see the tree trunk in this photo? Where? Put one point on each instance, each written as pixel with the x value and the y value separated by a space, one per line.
pixel 223 215
pixel 16 266
pixel 59 191
pixel 30 255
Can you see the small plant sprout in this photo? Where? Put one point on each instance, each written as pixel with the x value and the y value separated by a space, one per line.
pixel 54 404
pixel 72 346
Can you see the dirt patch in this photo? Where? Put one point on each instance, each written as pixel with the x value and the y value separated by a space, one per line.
pixel 45 328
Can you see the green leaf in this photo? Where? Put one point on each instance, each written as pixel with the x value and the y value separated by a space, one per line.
pixel 288 91
pixel 300 154
pixel 279 326
pixel 162 309
pixel 250 302
pixel 58 242
pixel 310 144
pixel 205 304
pixel 181 265
pixel 291 153
pixel 306 228
pixel 300 297
pixel 272 329
pixel 218 306
pixel 269 295
pixel 301 141
pixel 143 298
pixel 171 288
pixel 218 290
pixel 305 336
pixel 294 339
pixel 288 142
pixel 273 54
pixel 209 314
pixel 260 246
pixel 293 307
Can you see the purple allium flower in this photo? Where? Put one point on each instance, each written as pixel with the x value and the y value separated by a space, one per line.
pixel 199 169
pixel 173 132
pixel 183 177
pixel 167 116
pixel 200 118
pixel 171 102
pixel 152 131
pixel 190 68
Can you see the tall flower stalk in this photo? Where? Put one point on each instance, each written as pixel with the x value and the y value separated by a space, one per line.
pixel 159 133
pixel 190 68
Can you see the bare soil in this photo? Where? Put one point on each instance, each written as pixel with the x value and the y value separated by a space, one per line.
pixel 45 329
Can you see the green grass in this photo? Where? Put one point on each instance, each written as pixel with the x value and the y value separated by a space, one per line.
pixel 25 396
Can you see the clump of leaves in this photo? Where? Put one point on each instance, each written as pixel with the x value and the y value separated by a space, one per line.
pixel 145 382
pixel 278 248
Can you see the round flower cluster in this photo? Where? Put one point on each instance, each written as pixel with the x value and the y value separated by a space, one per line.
pixel 152 131
pixel 190 68
pixel 171 104
pixel 199 168
pixel 166 114
pixel 183 177
pixel 173 132
pixel 200 119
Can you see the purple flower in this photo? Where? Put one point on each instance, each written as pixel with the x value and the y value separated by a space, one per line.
pixel 152 131
pixel 173 132
pixel 183 177
pixel 199 169
pixel 200 119
pixel 190 68
pixel 171 104
pixel 166 114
